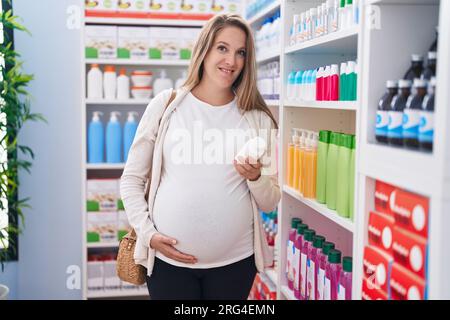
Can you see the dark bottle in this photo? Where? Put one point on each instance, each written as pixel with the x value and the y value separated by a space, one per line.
pixel 426 129
pixel 433 46
pixel 430 70
pixel 381 129
pixel 395 127
pixel 411 114
pixel 416 68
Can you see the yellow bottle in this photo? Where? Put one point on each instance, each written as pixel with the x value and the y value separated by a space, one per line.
pixel 303 141
pixel 290 164
pixel 296 163
pixel 311 166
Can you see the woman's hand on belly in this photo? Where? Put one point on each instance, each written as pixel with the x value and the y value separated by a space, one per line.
pixel 165 245
pixel 248 168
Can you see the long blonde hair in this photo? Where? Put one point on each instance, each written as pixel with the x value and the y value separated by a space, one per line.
pixel 248 96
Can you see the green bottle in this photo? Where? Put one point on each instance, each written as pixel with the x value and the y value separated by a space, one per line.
pixel 343 175
pixel 322 153
pixel 351 191
pixel 342 81
pixel 350 81
pixel 332 161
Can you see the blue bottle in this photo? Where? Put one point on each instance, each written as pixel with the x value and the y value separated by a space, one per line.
pixel 298 84
pixel 291 85
pixel 128 133
pixel 96 139
pixel 113 139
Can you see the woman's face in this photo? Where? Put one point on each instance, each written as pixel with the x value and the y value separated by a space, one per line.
pixel 225 60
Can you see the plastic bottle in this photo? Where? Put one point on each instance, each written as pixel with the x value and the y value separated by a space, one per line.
pixel 384 106
pixel 426 129
pixel 318 25
pixel 297 259
pixel 326 7
pixel 332 274
pixel 334 82
pixel 312 22
pixel 110 83
pixel 333 16
pixel 113 139
pixel 342 81
pixel 294 30
pixel 180 81
pixel 311 167
pixel 326 84
pixel 96 139
pixel 332 166
pixel 314 250
pixel 313 88
pixel 319 84
pixel 343 175
pixel 411 114
pixel 416 68
pixel 301 28
pixel 395 129
pixel 345 280
pixel 349 14
pixel 307 242
pixel 290 162
pixel 298 85
pixel 291 85
pixel 303 144
pixel 341 15
pixel 355 13
pixel 322 154
pixel 350 81
pixel 123 85
pixel 95 82
pixel 297 165
pixel 162 83
pixel 291 250
pixel 351 192
pixel 430 70
pixel 307 31
pixel 129 132
pixel 322 263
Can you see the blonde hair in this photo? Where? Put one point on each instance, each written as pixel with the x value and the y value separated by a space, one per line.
pixel 248 96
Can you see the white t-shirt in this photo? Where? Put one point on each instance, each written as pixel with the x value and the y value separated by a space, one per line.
pixel 202 201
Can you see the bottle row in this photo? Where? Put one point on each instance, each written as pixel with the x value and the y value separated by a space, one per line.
pixel 270 226
pixel 329 83
pixel 330 16
pixel 268 35
pixel 268 80
pixel 109 86
pixel 315 270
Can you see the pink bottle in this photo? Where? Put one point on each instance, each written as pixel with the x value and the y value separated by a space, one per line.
pixel 326 84
pixel 319 84
pixel 307 243
pixel 290 252
pixel 297 266
pixel 334 82
pixel 322 262
pixel 314 250
pixel 333 271
pixel 345 280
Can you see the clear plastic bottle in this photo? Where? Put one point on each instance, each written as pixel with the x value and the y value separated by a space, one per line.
pixel 426 129
pixel 384 105
pixel 333 16
pixel 332 275
pixel 312 23
pixel 345 280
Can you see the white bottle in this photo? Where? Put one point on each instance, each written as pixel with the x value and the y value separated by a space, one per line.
pixel 349 15
pixel 95 82
pixel 110 82
pixel 318 32
pixel 162 83
pixel 182 80
pixel 295 26
pixel 312 22
pixel 301 29
pixel 123 85
pixel 334 17
pixel 323 22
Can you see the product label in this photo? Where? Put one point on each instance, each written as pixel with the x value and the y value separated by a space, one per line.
pixel 303 275
pixel 411 121
pixel 320 284
pixel 311 294
pixel 395 127
pixel 296 268
pixel 289 259
pixel 327 290
pixel 341 292
pixel 426 128
pixel 382 123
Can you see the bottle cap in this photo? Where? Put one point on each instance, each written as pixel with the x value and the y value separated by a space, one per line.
pixel 390 84
pixel 342 3
pixel 309 234
pixel 110 69
pixel 324 136
pixel 347 264
pixel 334 138
pixel 343 68
pixel 94 65
pixel 349 1
pixel 96 115
pixel 353 142
pixel 326 247
pixel 416 57
pixel 334 69
pixel 131 115
pixel 351 67
pixel 313 12
pixel 404 83
pixel 114 116
pixel 318 241
pixel 420 83
pixel 301 227
pixel 123 72
pixel 432 55
pixel 334 256
pixel 346 141
pixel 295 222
pixel 327 71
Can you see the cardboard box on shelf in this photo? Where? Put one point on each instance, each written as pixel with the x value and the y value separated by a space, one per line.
pixel 101 5
pixel 377 266
pixel 383 193
pixel 410 251
pixel 135 7
pixel 404 285
pixel 164 43
pixel 102 226
pixel 371 291
pixel 189 37
pixel 101 42
pixel 133 43
pixel 102 194
pixel 380 231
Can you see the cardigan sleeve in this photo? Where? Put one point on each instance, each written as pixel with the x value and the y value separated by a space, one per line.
pixel 138 169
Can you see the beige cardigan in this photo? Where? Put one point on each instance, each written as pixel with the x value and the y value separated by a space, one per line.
pixel 146 154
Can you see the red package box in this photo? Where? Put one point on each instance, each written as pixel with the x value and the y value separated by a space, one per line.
pixel 410 251
pixel 383 192
pixel 370 291
pixel 377 266
pixel 405 285
pixel 411 212
pixel 380 230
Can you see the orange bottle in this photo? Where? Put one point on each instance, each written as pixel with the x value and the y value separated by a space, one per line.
pixel 290 163
pixel 296 163
pixel 303 143
pixel 311 166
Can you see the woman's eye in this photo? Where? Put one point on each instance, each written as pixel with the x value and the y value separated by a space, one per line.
pixel 242 53
pixel 222 48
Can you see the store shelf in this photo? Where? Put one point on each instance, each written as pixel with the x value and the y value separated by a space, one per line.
pixel 272 274
pixel 105 166
pixel 145 22
pixel 321 209
pixel 336 105
pixel 131 102
pixel 147 62
pixel 288 294
pixel 117 293
pixel 267 55
pixel 271 8
pixel 273 103
pixel 345 41
pixel 93 245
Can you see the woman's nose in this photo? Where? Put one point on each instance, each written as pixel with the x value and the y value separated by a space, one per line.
pixel 230 59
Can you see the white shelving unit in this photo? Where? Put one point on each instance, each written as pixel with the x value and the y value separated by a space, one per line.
pixel 147 62
pixel 336 105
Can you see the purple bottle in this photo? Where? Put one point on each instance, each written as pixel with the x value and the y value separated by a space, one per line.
pixel 312 267
pixel 290 251
pixel 345 280
pixel 296 264
pixel 332 274
pixel 307 243
pixel 322 262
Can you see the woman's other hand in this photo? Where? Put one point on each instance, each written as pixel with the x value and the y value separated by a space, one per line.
pixel 165 245
pixel 249 168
